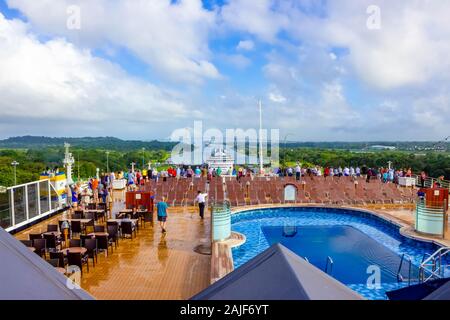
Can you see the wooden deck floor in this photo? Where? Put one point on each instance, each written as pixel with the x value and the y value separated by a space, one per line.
pixel 152 265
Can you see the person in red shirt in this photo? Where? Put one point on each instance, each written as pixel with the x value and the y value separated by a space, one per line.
pixel 95 189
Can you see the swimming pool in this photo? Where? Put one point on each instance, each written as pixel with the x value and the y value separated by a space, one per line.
pixel 354 241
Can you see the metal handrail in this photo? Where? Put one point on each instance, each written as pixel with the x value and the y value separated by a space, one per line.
pixel 399 272
pixel 329 263
pixel 438 270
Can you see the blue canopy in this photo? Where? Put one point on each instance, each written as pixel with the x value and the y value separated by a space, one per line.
pixel 277 274
pixel 26 276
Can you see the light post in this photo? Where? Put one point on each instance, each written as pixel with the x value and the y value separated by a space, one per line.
pixel 143 158
pixel 107 162
pixel 15 164
pixel 78 165
pixel 389 164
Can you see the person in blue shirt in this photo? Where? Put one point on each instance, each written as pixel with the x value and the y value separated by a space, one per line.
pixel 162 214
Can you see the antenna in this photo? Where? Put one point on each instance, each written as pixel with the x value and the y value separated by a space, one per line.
pixel 261 162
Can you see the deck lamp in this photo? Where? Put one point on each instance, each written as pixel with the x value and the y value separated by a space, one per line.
pixel 65 229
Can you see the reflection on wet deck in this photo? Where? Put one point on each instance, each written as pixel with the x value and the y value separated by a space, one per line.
pixel 152 265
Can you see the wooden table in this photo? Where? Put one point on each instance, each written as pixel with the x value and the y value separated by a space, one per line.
pixel 96 234
pixel 119 221
pixel 55 233
pixel 81 220
pixel 74 250
pixel 126 211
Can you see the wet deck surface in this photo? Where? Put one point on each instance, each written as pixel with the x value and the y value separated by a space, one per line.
pixel 152 265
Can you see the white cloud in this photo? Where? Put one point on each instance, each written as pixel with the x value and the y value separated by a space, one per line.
pixel 52 84
pixel 171 37
pixel 276 97
pixel 409 49
pixel 255 17
pixel 246 45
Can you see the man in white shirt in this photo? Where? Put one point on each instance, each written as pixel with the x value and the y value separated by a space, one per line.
pixel 298 172
pixel 201 199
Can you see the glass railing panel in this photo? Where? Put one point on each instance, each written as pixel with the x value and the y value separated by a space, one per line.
pixel 43 191
pixel 5 211
pixel 33 200
pixel 19 205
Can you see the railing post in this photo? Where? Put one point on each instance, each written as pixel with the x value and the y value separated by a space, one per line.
pixel 38 194
pixel 444 218
pixel 27 211
pixel 49 196
pixel 11 205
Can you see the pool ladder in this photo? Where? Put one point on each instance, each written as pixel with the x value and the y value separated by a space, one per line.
pixel 399 271
pixel 436 266
pixel 428 261
pixel 329 265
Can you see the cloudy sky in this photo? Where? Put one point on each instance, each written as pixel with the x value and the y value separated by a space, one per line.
pixel 324 70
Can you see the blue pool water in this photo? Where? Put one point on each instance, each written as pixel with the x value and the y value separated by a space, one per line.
pixel 353 239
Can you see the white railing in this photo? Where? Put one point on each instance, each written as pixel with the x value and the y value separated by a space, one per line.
pixel 434 267
pixel 29 202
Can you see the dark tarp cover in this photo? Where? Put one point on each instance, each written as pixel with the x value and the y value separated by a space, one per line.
pixel 26 276
pixel 442 293
pixel 420 291
pixel 277 274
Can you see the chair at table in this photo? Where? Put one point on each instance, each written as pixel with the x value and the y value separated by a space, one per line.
pixel 136 216
pixel 52 243
pixel 74 243
pixel 27 243
pixel 90 215
pixel 147 217
pixel 76 259
pixel 33 236
pixel 127 228
pixel 60 257
pixel 54 262
pixel 52 228
pixel 113 233
pixel 103 243
pixel 92 206
pixel 99 228
pixel 40 246
pixel 83 238
pixel 75 226
pixel 101 206
pixel 89 227
pixel 101 215
pixel 77 215
pixel 91 246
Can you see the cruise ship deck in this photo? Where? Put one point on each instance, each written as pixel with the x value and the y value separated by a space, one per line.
pixel 154 265
pixel 151 265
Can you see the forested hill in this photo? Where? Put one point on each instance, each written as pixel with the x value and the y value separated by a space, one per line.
pixel 109 143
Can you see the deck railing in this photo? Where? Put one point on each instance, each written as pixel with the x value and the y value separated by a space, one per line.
pixel 429 182
pixel 28 202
